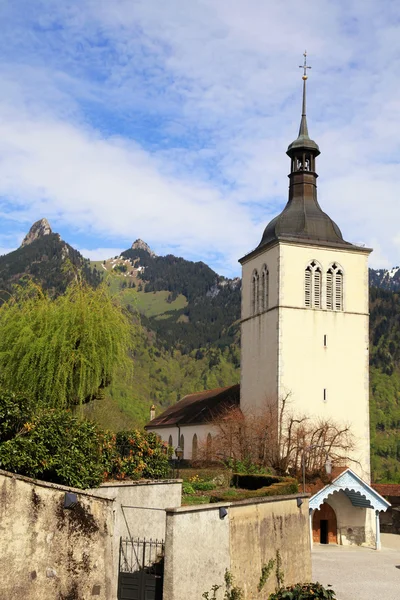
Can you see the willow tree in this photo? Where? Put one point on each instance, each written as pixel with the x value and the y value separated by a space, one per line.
pixel 62 351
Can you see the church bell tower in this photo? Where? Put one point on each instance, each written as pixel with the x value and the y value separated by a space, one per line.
pixel 304 328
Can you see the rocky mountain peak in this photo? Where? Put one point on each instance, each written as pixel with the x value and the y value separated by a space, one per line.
pixel 38 230
pixel 141 245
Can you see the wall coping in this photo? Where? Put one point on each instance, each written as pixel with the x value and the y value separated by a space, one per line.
pixel 129 483
pixel 54 486
pixel 246 502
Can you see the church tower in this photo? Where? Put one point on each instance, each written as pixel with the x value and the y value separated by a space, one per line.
pixel 304 328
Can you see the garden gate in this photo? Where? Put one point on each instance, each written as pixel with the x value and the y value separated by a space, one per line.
pixel 141 569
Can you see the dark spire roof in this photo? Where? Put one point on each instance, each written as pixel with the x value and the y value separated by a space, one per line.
pixel 302 219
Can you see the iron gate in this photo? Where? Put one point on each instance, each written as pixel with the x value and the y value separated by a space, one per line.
pixel 141 569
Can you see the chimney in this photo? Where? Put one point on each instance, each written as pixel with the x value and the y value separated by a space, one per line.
pixel 152 412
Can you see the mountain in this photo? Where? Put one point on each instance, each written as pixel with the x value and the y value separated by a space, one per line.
pixel 191 336
pixel 385 279
pixel 47 259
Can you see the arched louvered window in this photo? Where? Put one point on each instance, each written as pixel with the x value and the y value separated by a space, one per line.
pixel 183 446
pixel 194 447
pixel 255 293
pixel 264 288
pixel 313 285
pixel 334 288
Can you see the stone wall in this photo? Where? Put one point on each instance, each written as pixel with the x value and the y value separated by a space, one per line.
pixel 48 551
pixel 201 545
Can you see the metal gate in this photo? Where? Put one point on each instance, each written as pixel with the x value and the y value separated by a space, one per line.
pixel 141 569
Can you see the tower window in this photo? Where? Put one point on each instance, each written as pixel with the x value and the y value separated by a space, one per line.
pixel 313 285
pixel 255 299
pixel 264 288
pixel 325 340
pixel 334 288
pixel 325 395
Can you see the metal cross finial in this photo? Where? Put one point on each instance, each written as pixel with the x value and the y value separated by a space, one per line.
pixel 304 66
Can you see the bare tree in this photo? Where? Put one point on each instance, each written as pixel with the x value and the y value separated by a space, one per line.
pixel 279 439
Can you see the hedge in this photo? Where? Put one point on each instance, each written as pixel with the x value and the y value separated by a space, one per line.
pixel 286 486
pixel 253 482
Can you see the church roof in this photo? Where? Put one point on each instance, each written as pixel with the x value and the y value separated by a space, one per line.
pixel 200 407
pixel 387 489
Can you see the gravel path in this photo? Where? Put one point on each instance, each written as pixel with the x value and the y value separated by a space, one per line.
pixel 360 573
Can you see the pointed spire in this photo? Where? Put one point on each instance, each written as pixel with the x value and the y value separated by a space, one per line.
pixel 303 139
pixel 303 131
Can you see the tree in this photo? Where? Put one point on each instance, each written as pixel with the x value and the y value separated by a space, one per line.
pixel 278 438
pixel 62 351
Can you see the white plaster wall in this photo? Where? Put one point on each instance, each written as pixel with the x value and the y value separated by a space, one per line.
pixel 341 368
pixel 139 508
pixel 354 523
pixel 259 337
pixel 282 350
pixel 196 552
pixel 188 431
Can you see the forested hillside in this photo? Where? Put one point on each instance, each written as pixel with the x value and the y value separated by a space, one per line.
pixel 189 334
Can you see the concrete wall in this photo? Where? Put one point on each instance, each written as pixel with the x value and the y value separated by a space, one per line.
pixel 200 546
pixel 139 509
pixel 355 524
pixel 47 551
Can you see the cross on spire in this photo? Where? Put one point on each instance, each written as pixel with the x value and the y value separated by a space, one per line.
pixel 305 65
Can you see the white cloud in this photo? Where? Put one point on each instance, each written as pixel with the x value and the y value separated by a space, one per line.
pixel 169 122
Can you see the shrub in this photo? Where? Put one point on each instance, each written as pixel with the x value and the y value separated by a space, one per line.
pixel 15 411
pixel 188 489
pixel 303 591
pixel 56 446
pixel 286 486
pixel 253 481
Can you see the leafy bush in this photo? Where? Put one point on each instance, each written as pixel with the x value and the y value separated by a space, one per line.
pixel 286 486
pixel 135 455
pixel 188 489
pixel 253 481
pixel 56 446
pixel 303 591
pixel 247 467
pixel 15 411
pixel 204 486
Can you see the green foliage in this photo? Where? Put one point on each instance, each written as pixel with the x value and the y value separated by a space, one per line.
pixel 62 352
pixel 56 446
pixel 120 268
pixel 135 455
pixel 303 591
pixel 266 571
pixel 188 489
pixel 286 486
pixel 247 467
pixel 15 411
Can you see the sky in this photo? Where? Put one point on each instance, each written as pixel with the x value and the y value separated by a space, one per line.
pixel 168 120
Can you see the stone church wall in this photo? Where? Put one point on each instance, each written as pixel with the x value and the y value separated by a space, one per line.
pixel 201 546
pixel 48 551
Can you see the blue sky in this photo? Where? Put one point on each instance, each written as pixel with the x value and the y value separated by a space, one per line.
pixel 169 121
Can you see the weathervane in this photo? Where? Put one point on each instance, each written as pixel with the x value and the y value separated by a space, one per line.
pixel 304 66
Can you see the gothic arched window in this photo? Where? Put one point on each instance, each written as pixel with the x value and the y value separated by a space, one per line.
pixel 264 288
pixel 194 447
pixel 183 446
pixel 334 288
pixel 209 447
pixel 313 285
pixel 255 293
pixel 170 442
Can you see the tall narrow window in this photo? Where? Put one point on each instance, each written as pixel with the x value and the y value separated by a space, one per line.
pixel 254 294
pixel 313 285
pixel 209 447
pixel 317 288
pixel 183 446
pixel 308 286
pixel 264 288
pixel 334 288
pixel 194 447
pixel 170 442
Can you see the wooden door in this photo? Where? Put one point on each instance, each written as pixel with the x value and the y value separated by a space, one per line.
pixel 325 513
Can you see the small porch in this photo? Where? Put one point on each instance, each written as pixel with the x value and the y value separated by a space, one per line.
pixel 346 512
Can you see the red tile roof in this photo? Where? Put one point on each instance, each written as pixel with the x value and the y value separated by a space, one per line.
pixel 387 489
pixel 200 407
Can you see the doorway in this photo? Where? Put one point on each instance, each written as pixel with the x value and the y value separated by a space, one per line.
pixel 325 525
